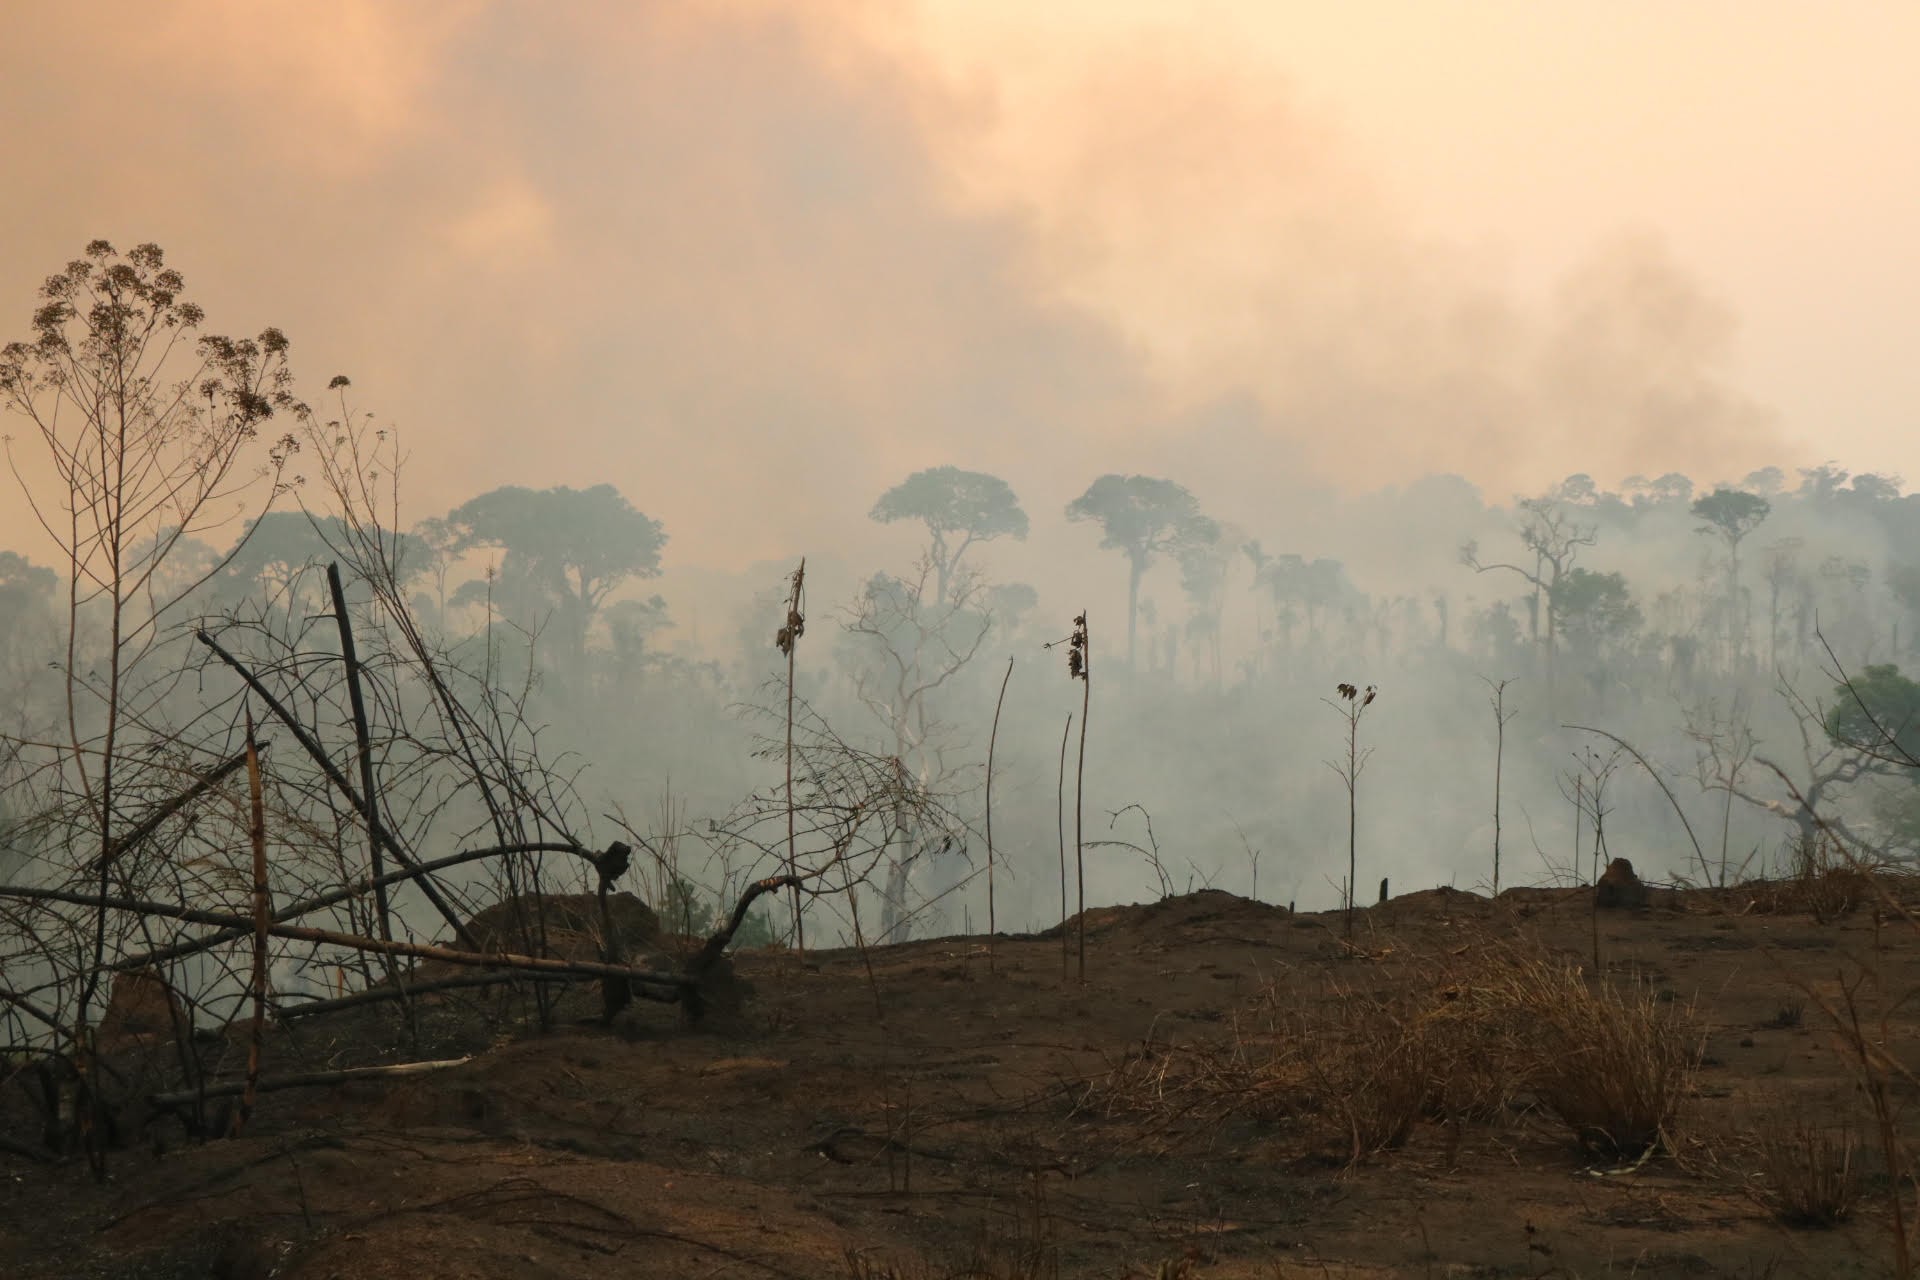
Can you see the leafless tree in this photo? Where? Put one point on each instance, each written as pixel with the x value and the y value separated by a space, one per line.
pixel 905 647
pixel 1549 531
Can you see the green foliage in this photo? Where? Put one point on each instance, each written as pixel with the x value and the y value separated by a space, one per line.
pixel 1731 513
pixel 1877 711
pixel 1593 609
pixel 685 909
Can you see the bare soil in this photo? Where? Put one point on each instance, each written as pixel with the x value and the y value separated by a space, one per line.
pixel 950 1113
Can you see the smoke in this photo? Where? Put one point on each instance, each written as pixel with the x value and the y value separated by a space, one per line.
pixel 752 263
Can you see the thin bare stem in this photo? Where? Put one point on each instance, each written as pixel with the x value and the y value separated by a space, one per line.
pixel 993 739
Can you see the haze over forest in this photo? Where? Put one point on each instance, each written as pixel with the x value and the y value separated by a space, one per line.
pixel 1579 370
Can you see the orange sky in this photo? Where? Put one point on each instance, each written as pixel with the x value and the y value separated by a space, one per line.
pixel 752 262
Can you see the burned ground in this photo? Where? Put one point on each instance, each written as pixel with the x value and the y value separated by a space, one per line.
pixel 945 1109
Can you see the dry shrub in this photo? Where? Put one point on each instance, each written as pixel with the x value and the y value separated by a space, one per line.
pixel 1824 882
pixel 1479 1029
pixel 1473 1038
pixel 1177 1090
pixel 1811 1175
pixel 1366 1063
pixel 1612 1063
pixel 1826 894
pixel 1375 1063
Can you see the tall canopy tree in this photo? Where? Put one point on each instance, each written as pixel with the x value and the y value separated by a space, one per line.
pixel 564 548
pixel 1555 538
pixel 1142 517
pixel 959 509
pixel 276 548
pixel 1594 610
pixel 1730 515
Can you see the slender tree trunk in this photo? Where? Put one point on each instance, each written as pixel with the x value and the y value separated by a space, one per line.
pixel 799 929
pixel 1353 814
pixel 1773 624
pixel 1080 787
pixel 993 739
pixel 1135 570
pixel 1060 813
pixel 1499 756
pixel 1579 816
pixel 363 745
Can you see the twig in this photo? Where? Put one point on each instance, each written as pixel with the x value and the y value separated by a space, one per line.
pixel 305 1080
pixel 206 782
pixel 320 757
pixel 376 995
pixel 1705 871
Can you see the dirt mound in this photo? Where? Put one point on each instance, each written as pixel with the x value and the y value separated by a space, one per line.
pixel 1438 905
pixel 1190 917
pixel 142 1006
pixel 1620 889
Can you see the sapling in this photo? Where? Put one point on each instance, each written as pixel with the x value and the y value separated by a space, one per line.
pixel 786 640
pixel 1079 668
pixel 993 739
pixel 1060 814
pixel 1352 705
pixel 1500 718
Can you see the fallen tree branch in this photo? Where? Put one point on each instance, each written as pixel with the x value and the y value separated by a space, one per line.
pixel 705 958
pixel 307 906
pixel 384 946
pixel 376 995
pixel 306 1080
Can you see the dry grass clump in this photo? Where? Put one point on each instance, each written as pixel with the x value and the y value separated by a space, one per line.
pixel 1479 1030
pixel 1612 1063
pixel 1367 1065
pixel 1823 881
pixel 1810 1171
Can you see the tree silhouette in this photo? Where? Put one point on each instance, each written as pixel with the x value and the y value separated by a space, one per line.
pixel 1782 571
pixel 1204 566
pixel 1555 539
pixel 565 548
pixel 1593 610
pixel 275 551
pixel 1142 517
pixel 969 506
pixel 1732 514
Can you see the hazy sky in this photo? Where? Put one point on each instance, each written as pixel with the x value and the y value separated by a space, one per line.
pixel 753 262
